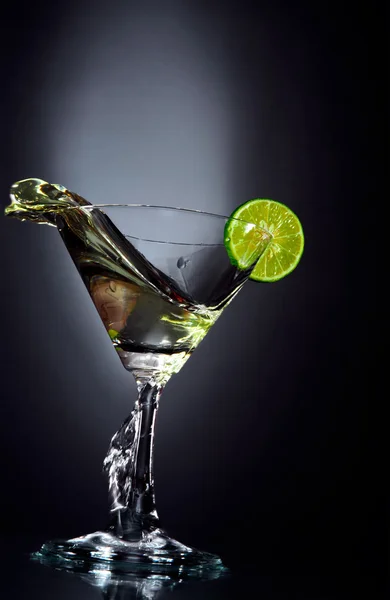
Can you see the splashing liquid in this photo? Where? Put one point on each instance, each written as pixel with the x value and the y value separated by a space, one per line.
pixel 154 325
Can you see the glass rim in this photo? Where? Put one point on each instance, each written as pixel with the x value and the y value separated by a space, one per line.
pixel 189 211
pixel 176 208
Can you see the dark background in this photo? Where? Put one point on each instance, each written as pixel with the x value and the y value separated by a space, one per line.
pixel 265 452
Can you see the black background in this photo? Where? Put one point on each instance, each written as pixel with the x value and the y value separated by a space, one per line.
pixel 264 448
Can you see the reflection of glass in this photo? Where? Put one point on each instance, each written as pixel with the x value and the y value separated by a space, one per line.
pixel 159 279
pixel 131 586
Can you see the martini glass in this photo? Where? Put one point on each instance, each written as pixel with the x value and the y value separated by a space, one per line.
pixel 159 278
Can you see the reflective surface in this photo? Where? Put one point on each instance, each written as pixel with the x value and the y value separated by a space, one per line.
pixel 144 584
pixel 23 579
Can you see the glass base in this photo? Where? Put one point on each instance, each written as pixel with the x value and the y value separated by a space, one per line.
pixel 155 553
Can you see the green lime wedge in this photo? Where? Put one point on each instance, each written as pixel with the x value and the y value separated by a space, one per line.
pixel 285 249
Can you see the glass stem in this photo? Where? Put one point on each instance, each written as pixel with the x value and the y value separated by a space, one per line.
pixel 129 465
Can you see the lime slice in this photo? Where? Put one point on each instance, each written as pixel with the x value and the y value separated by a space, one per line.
pixel 285 249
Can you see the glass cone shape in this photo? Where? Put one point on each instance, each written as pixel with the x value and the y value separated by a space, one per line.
pixel 159 278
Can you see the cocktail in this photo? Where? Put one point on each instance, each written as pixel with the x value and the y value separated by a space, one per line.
pixel 159 278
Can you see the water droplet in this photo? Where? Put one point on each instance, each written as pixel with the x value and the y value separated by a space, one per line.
pixel 182 262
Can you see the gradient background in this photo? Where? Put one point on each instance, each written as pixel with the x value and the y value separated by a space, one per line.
pixel 264 448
